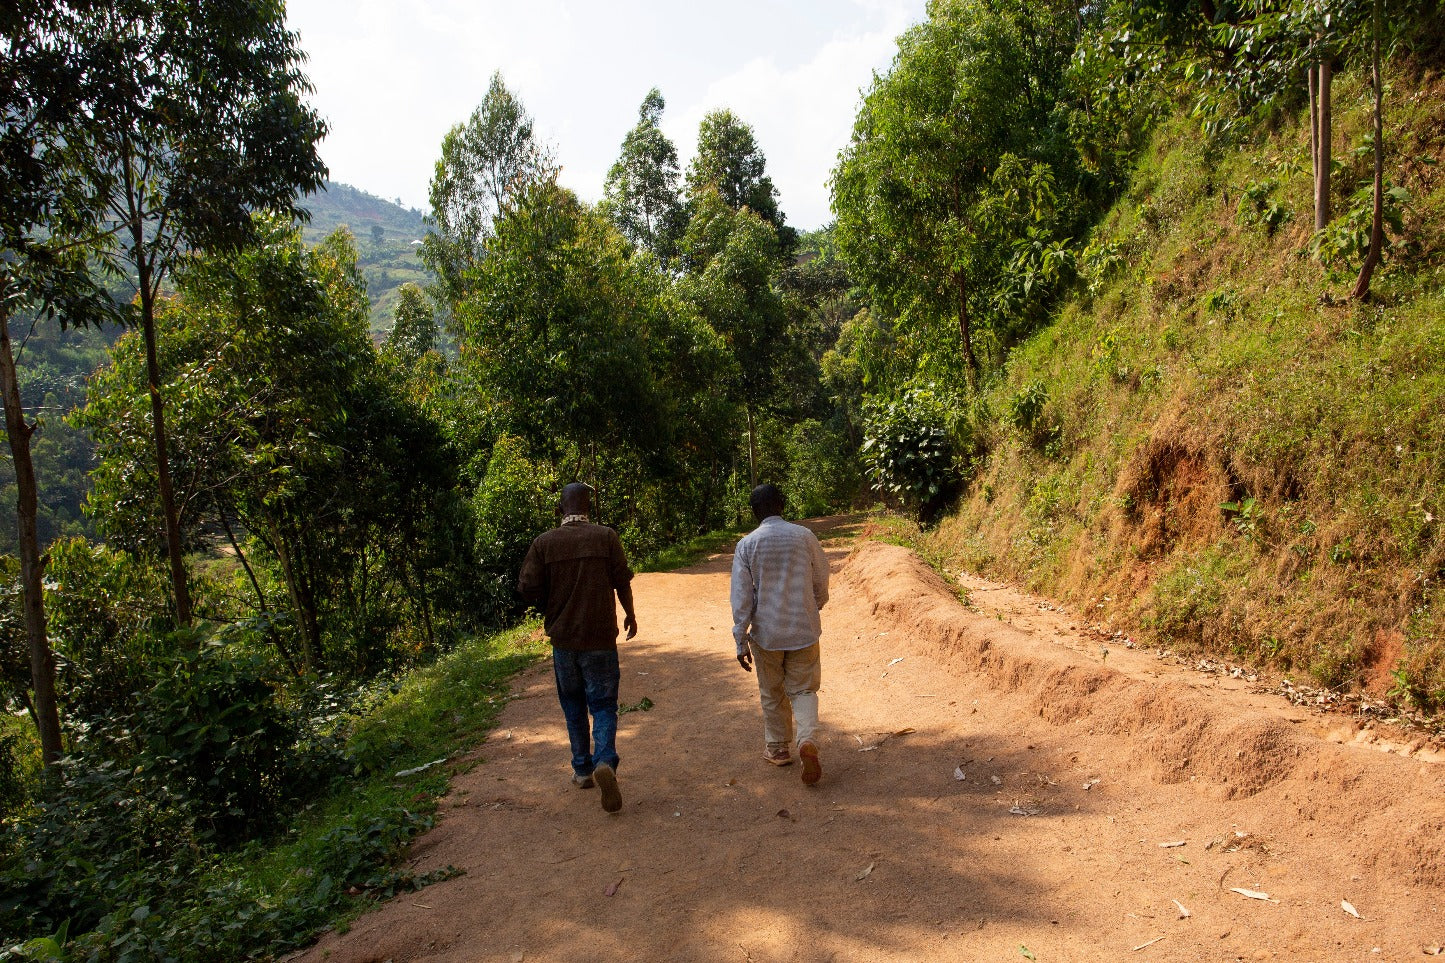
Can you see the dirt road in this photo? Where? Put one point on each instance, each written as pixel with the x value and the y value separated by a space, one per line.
pixel 995 788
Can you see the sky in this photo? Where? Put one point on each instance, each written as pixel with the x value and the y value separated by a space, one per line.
pixel 391 77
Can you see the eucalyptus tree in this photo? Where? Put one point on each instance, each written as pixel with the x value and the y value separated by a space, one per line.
pixel 483 162
pixel 199 120
pixel 729 161
pixel 641 193
pixel 414 331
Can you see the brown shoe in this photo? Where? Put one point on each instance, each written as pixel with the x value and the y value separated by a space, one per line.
pixel 607 781
pixel 778 757
pixel 812 768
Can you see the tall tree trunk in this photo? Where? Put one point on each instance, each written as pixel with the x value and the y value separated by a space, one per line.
pixel 752 449
pixel 304 622
pixel 1377 224
pixel 179 587
pixel 1312 85
pixel 42 660
pixel 265 606
pixel 1322 154
pixel 965 332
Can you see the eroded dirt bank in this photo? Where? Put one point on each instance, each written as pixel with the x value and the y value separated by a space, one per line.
pixel 1102 799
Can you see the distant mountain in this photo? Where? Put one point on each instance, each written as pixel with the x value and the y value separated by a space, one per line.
pixel 387 238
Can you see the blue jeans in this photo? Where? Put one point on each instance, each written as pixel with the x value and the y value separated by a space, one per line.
pixel 587 683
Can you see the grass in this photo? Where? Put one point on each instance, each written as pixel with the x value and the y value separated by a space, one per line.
pixel 1222 365
pixel 692 551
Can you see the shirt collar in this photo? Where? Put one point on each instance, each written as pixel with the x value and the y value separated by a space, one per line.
pixel 574 520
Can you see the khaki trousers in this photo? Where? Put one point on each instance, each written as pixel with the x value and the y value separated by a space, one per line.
pixel 788 683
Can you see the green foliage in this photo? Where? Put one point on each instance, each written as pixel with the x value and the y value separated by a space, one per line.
pixel 514 504
pixel 1341 247
pixel 1258 204
pixel 641 193
pixel 907 451
pixel 483 162
pixel 729 162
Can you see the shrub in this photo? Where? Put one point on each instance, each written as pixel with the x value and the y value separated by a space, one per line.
pixel 907 451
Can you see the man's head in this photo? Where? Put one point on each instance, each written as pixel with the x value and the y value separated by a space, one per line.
pixel 766 501
pixel 576 499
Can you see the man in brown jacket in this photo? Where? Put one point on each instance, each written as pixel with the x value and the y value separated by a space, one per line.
pixel 570 574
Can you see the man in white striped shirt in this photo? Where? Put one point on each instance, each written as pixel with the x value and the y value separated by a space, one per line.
pixel 780 581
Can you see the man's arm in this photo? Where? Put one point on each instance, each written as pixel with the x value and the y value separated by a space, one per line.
pixel 742 602
pixel 624 595
pixel 820 573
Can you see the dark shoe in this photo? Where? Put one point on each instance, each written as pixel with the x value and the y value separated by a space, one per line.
pixel 582 782
pixel 812 768
pixel 778 757
pixel 607 782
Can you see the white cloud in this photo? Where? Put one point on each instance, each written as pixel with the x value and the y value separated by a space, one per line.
pixel 393 77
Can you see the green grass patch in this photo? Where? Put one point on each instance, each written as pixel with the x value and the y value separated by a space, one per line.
pixel 692 551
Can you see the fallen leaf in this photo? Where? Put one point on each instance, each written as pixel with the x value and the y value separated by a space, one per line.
pixel 959 774
pixel 894 662
pixel 996 780
pixel 1173 845
pixel 865 874
pixel 1184 914
pixel 1026 953
pixel 1150 943
pixel 1250 893
pixel 1345 905
pixel 904 732
pixel 612 889
pixel 1021 811
pixel 867 748
pixel 1433 950
pixel 784 814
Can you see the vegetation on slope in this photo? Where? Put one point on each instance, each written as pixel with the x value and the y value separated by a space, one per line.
pixel 1214 444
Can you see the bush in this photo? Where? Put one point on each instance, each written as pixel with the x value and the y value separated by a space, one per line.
pixel 821 472
pixel 907 451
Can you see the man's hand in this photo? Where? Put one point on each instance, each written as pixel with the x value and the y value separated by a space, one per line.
pixel 630 624
pixel 745 659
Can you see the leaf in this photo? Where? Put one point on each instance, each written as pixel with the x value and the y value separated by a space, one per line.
pixel 1251 894
pixel 866 873
pixel 1173 845
pixel 959 774
pixel 1184 914
pixel 1026 953
pixel 611 890
pixel 1345 905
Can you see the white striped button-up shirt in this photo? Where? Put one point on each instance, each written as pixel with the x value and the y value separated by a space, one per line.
pixel 780 581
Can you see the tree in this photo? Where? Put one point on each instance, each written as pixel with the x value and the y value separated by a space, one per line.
pixel 1377 218
pixel 729 161
pixel 483 162
pixel 414 331
pixel 200 121
pixel 51 206
pixel 551 330
pixel 973 84
pixel 641 193
pixel 735 254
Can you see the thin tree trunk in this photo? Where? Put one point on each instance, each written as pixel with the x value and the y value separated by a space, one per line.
pixel 965 332
pixel 256 585
pixel 42 659
pixel 752 450
pixel 174 555
pixel 1377 225
pixel 1322 166
pixel 304 624
pixel 1312 84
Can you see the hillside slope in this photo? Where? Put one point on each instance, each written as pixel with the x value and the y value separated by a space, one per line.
pixel 1212 446
pixel 387 238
